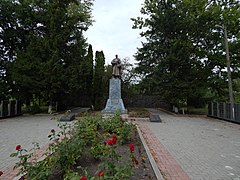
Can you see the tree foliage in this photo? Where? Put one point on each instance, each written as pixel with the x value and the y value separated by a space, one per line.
pixel 43 46
pixel 184 53
pixel 88 67
pixel 99 73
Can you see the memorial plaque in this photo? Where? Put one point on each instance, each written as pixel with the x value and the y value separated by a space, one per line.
pixel 155 118
pixel 68 117
pixel 114 101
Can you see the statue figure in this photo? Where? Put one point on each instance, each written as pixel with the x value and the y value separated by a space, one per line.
pixel 116 65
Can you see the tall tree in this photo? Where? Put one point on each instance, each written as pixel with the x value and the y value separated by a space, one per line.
pixel 181 51
pixel 98 80
pixel 226 14
pixel 51 46
pixel 9 42
pixel 65 23
pixel 88 66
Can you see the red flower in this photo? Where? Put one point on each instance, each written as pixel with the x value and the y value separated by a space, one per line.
pixel 131 147
pixel 100 173
pixel 18 147
pixel 114 139
pixel 105 142
pixel 135 160
pixel 121 119
pixel 110 142
pixel 83 178
pixel 1 173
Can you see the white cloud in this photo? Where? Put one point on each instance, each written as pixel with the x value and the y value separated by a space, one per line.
pixel 112 30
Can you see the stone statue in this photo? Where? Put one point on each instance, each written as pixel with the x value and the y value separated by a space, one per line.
pixel 115 102
pixel 116 66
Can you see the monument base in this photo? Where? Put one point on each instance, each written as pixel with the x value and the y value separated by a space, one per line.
pixel 114 102
pixel 113 106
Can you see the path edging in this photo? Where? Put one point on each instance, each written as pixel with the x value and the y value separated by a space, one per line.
pixel 150 157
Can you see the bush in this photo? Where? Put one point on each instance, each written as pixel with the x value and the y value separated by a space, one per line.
pixel 89 137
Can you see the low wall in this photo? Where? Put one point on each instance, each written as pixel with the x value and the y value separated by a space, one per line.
pixel 147 101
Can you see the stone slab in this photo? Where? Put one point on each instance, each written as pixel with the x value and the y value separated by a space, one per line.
pixel 68 117
pixel 155 118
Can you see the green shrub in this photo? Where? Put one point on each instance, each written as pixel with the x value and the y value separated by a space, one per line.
pixel 89 137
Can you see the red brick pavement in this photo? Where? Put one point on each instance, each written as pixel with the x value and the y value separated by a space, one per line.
pixel 167 165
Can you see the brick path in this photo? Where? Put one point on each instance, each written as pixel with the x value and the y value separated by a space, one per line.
pixel 168 166
pixel 198 147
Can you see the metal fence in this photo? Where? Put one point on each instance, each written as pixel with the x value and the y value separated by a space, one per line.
pixel 10 108
pixel 223 111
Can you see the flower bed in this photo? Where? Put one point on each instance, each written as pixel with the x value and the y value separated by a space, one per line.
pixel 88 113
pixel 92 148
pixel 138 113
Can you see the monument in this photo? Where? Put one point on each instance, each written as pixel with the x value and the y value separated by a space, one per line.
pixel 115 102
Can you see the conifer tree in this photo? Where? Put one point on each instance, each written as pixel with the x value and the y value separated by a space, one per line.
pixel 98 80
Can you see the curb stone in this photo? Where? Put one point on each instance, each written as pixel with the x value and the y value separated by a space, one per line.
pixel 168 166
pixel 150 157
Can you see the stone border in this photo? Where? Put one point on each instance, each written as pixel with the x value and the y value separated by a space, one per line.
pixel 150 157
pixel 168 166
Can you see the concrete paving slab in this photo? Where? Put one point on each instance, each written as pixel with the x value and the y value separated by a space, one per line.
pixel 205 148
pixel 191 147
pixel 23 130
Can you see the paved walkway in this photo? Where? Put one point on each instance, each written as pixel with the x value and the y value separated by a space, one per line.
pixel 184 147
pixel 194 147
pixel 22 130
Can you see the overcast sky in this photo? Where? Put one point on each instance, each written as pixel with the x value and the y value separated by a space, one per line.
pixel 112 30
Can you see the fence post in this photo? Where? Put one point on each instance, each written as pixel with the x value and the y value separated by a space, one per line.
pixel 9 108
pixel 224 110
pixel 212 108
pixel 1 109
pixel 236 112
pixel 16 104
pixel 19 107
pixel 218 113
